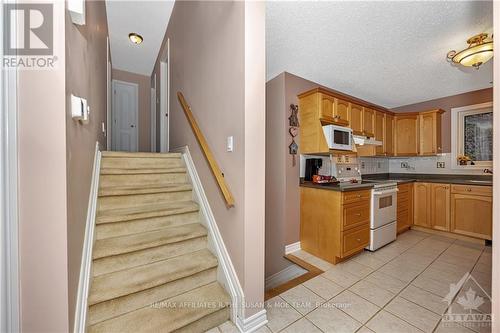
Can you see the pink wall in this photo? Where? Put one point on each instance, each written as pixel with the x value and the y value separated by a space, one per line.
pixel 210 66
pixel 43 261
pixel 85 77
pixel 144 83
pixel 447 103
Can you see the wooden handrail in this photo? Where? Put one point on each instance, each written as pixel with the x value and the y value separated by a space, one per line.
pixel 206 151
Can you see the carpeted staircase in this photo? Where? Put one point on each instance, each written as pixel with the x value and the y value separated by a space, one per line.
pixel 151 269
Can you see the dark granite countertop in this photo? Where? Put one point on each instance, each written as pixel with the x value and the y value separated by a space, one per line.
pixel 481 180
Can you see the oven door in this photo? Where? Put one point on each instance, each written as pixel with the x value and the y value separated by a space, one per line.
pixel 384 207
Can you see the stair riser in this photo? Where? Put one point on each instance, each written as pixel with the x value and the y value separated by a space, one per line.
pixel 143 257
pixel 108 230
pixel 146 215
pixel 113 308
pixel 138 163
pixel 142 179
pixel 123 201
pixel 204 324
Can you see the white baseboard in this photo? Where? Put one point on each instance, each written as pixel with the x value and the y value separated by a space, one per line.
pixel 292 247
pixel 252 323
pixel 285 275
pixel 88 243
pixel 226 273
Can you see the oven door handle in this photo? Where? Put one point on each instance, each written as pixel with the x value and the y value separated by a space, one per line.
pixel 391 191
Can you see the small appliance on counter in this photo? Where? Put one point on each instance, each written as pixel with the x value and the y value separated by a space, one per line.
pixel 312 167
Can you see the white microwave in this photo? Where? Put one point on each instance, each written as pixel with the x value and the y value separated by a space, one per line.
pixel 338 137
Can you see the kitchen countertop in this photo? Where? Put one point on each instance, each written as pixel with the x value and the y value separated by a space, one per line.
pixel 401 178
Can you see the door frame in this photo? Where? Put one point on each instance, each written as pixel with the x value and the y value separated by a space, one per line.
pixel 165 99
pixel 9 209
pixel 153 114
pixel 136 116
pixel 109 88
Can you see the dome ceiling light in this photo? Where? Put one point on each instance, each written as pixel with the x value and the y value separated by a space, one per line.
pixel 480 50
pixel 135 38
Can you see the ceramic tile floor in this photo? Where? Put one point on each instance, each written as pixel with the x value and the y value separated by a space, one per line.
pixel 402 287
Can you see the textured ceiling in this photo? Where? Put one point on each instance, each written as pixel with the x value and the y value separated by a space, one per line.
pixel 147 18
pixel 388 53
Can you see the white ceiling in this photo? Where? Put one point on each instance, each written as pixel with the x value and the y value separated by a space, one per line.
pixel 388 53
pixel 147 18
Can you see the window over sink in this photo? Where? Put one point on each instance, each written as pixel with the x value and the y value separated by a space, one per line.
pixel 472 136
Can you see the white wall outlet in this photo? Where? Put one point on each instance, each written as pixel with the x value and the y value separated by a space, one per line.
pixel 440 165
pixel 230 144
pixel 404 165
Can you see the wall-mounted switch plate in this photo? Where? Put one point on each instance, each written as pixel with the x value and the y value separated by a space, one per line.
pixel 229 145
pixel 379 165
pixel 404 165
pixel 362 165
pixel 440 165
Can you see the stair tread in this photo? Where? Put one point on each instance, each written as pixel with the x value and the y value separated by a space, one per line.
pixel 145 211
pixel 105 154
pixel 140 241
pixel 141 171
pixel 174 314
pixel 113 285
pixel 143 189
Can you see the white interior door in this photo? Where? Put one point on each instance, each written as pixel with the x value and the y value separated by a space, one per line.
pixel 164 99
pixel 153 119
pixel 125 116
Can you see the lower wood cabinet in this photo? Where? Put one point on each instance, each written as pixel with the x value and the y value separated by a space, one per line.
pixel 405 207
pixel 334 225
pixel 422 205
pixel 471 210
pixel 440 207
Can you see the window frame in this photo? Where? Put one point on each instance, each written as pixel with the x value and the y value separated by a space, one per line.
pixel 457 133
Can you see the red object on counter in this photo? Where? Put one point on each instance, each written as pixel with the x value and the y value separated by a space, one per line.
pixel 319 179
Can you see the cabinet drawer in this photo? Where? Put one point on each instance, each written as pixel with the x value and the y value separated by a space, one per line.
pixel 356 214
pixel 472 189
pixel 354 240
pixel 356 196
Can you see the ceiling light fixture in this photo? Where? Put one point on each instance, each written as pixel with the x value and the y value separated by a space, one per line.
pixel 135 38
pixel 480 50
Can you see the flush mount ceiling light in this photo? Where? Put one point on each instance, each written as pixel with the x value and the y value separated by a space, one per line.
pixel 135 38
pixel 480 50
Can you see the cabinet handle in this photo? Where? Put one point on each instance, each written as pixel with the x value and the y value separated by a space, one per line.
pixel 469 189
pixel 359 195
pixel 359 240
pixel 358 214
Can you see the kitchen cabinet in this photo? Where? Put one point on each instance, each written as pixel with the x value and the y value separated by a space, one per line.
pixel 471 210
pixel 440 207
pixel 422 204
pixel 389 135
pixel 405 207
pixel 406 134
pixel 369 122
pixel 356 119
pixel 379 132
pixel 341 112
pixel 430 132
pixel 334 225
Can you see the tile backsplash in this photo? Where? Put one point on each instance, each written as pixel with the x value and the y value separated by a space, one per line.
pixel 417 164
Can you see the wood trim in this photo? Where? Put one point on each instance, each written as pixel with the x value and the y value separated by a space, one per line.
pixel 214 167
pixel 313 271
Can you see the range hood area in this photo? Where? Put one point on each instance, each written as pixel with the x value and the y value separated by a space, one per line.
pixel 364 140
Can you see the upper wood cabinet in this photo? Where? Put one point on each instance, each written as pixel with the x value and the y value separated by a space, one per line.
pixel 440 206
pixel 379 132
pixel 369 122
pixel 389 135
pixel 341 111
pixel 430 132
pixel 356 119
pixel 471 210
pixel 422 204
pixel 406 134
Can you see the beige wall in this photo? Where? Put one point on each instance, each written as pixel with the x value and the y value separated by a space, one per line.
pixel 85 77
pixel 447 103
pixel 144 83
pixel 42 193
pixel 208 65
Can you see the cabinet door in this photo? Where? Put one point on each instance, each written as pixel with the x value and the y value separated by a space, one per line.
pixel 471 215
pixel 326 107
pixel 440 206
pixel 406 135
pixel 356 119
pixel 422 204
pixel 428 139
pixel 379 132
pixel 389 135
pixel 369 122
pixel 341 111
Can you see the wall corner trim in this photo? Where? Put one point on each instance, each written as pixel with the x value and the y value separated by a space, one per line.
pixel 88 243
pixel 292 247
pixel 252 323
